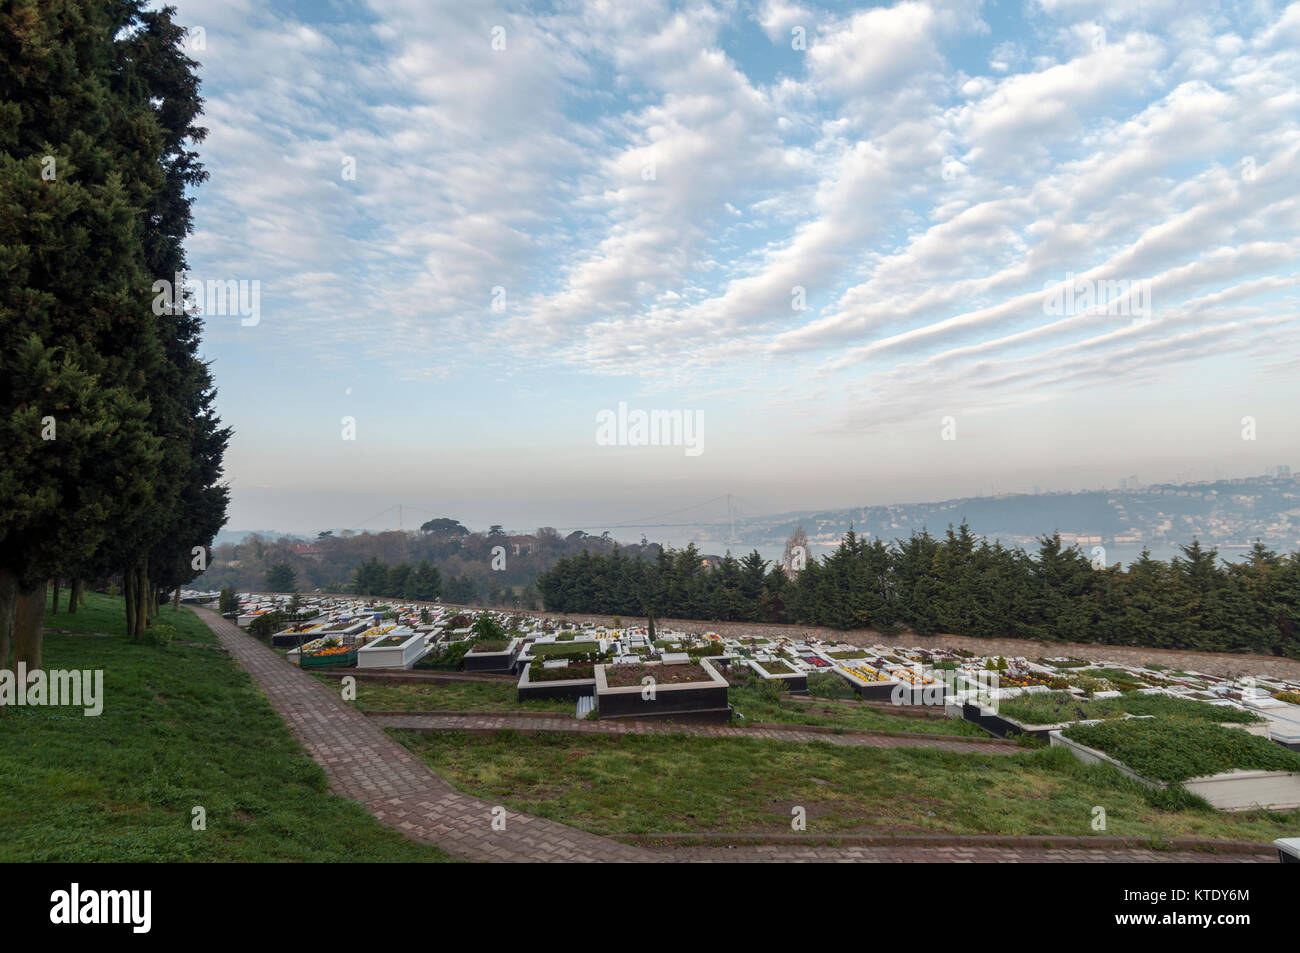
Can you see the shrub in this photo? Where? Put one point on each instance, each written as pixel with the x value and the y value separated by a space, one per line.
pixel 228 601
pixel 488 630
pixel 826 685
pixel 267 624
pixel 769 689
pixel 159 633
pixel 449 657
pixel 1092 685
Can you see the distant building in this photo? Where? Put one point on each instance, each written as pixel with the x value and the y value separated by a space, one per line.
pixel 522 545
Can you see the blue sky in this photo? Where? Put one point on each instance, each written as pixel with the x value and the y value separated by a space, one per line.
pixel 643 187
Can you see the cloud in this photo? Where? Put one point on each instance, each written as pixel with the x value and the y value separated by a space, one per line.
pixel 653 206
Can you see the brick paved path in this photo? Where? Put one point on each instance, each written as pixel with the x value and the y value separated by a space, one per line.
pixel 785 853
pixel 365 764
pixel 491 722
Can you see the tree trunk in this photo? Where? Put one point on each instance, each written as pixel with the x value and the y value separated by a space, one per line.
pixel 128 596
pixel 136 625
pixel 8 610
pixel 29 627
pixel 176 600
pixel 142 593
pixel 74 595
pixel 54 603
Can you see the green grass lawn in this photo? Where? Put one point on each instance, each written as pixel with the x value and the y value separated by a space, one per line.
pixel 182 726
pixel 757 705
pixel 649 784
pixel 450 696
pixel 107 615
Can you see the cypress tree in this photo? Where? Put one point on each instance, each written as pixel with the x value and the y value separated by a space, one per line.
pixel 74 305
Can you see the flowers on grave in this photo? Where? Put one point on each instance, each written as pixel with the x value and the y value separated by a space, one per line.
pixel 331 650
pixel 865 673
pixel 912 678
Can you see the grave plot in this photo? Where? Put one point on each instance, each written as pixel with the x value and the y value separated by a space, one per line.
pixel 571 677
pixel 298 632
pixel 1232 770
pixel 870 683
pixel 686 690
pixel 560 649
pixel 1039 714
pixel 1283 718
pixel 327 652
pixel 492 656
pixel 400 648
pixel 796 681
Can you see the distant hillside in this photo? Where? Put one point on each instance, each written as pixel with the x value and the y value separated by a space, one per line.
pixel 1228 515
pixel 236 536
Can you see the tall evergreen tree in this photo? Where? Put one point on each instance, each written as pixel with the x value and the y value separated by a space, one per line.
pixel 78 338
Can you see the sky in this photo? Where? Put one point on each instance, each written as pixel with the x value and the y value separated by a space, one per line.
pixel 872 253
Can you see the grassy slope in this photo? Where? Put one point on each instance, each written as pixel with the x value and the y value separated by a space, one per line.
pixel 182 726
pixel 662 784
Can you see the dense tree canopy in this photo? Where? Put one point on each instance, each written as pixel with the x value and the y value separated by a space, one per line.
pixel 962 585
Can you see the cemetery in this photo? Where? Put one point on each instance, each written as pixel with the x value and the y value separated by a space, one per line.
pixel 1233 741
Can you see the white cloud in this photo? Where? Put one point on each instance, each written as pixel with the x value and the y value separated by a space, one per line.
pixel 649 206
